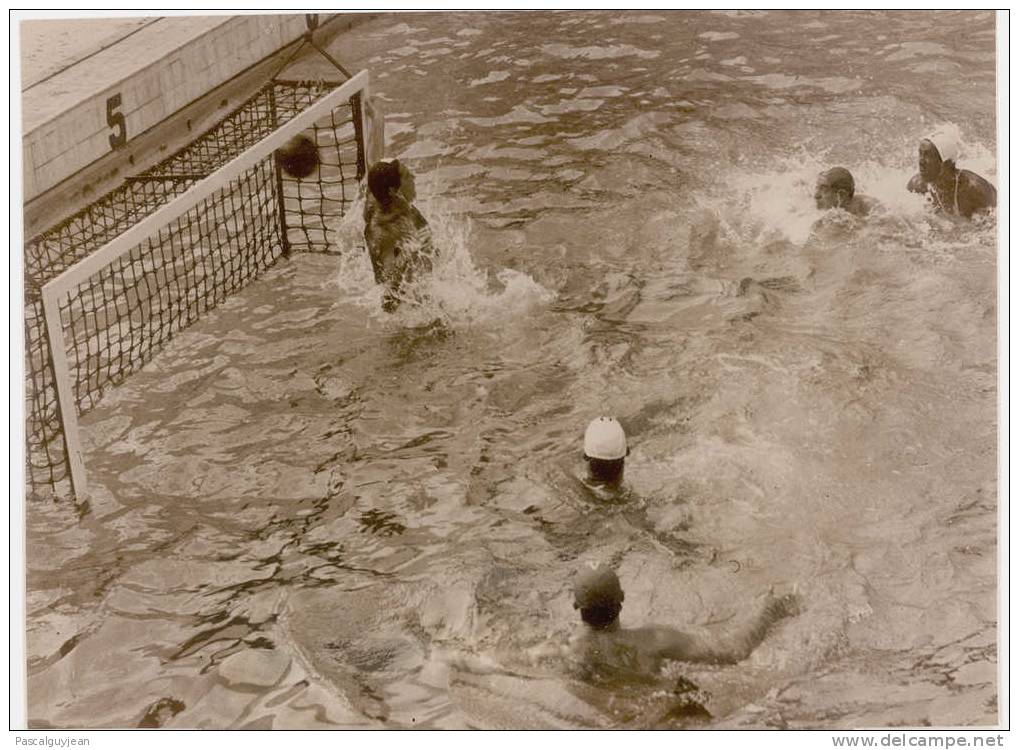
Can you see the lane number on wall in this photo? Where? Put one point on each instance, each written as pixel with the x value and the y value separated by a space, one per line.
pixel 115 119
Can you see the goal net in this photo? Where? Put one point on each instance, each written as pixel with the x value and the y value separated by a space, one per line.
pixel 110 285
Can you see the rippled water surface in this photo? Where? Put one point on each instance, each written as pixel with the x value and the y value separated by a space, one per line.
pixel 310 514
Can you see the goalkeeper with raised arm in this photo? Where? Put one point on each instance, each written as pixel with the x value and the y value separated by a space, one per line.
pixel 397 236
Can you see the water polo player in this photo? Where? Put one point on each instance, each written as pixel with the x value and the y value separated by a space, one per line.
pixel 950 189
pixel 397 236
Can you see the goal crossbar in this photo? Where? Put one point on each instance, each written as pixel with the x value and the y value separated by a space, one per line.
pixel 56 289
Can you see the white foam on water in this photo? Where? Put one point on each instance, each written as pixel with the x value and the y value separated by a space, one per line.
pixel 779 203
pixel 493 77
pixel 456 292
pixel 718 36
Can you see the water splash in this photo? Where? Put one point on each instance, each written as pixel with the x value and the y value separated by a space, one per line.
pixel 456 293
pixel 779 203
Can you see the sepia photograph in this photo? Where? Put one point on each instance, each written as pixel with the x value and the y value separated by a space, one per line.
pixel 510 370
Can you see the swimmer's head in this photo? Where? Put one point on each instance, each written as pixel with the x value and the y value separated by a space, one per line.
pixel 930 161
pixel 598 596
pixel 835 189
pixel 605 449
pixel 936 149
pixel 389 176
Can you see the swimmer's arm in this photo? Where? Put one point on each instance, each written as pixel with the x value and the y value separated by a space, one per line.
pixel 375 246
pixel 424 232
pixel 702 648
pixel 727 648
pixel 742 644
pixel 916 184
pixel 372 239
pixel 668 643
pixel 862 205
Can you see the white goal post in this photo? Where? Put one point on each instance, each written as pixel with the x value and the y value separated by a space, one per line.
pixel 67 283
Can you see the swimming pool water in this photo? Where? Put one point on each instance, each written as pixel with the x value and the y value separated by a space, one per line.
pixel 311 514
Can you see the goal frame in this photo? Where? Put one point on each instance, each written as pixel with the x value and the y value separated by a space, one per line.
pixel 66 282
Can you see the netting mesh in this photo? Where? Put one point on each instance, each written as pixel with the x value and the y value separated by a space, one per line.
pixel 118 319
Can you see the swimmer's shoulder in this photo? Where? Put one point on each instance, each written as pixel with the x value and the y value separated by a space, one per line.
pixel 605 653
pixel 863 205
pixel 974 194
pixel 973 181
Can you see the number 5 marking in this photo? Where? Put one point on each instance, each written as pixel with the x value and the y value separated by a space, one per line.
pixel 116 121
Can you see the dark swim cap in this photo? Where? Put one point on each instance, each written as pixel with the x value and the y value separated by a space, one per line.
pixel 598 596
pixel 840 178
pixel 384 176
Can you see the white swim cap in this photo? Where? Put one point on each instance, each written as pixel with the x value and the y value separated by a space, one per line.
pixel 605 439
pixel 946 141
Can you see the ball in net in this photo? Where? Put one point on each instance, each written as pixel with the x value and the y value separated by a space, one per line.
pixel 298 156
